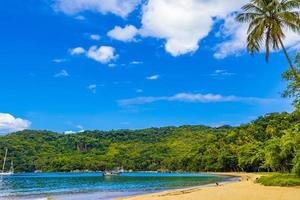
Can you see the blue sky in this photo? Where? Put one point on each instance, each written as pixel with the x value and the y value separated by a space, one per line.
pixel 77 65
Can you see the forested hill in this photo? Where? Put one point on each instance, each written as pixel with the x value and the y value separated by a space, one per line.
pixel 271 143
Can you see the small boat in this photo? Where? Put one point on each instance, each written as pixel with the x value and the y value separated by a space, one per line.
pixel 112 173
pixel 11 171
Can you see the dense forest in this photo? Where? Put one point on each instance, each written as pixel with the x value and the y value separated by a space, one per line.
pixel 270 143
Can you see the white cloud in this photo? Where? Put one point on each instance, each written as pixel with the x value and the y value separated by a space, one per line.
pixel 73 132
pixel 95 37
pixel 80 127
pixel 195 98
pixel 135 62
pixel 153 77
pixel 222 73
pixel 77 51
pixel 126 34
pixel 69 132
pixel 92 88
pixel 235 35
pixel 103 54
pixel 292 40
pixel 184 23
pixel 62 73
pixel 118 7
pixel 9 123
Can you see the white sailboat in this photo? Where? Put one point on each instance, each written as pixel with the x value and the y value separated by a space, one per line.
pixel 11 171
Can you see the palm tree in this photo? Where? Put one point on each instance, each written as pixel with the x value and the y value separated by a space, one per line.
pixel 267 21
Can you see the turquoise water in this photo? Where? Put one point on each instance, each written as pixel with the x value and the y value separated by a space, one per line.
pixel 90 186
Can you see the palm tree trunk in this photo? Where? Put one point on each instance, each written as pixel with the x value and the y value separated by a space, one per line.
pixel 293 69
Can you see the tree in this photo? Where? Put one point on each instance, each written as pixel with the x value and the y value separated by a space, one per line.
pixel 293 89
pixel 296 168
pixel 267 21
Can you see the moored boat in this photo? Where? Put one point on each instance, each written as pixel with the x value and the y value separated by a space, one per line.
pixel 112 173
pixel 11 171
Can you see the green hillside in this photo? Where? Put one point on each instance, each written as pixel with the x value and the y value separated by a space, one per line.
pixel 270 143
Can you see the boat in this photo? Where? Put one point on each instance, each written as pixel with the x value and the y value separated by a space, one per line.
pixel 116 172
pixel 11 171
pixel 112 173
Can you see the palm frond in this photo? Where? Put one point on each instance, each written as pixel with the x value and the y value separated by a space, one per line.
pixel 290 4
pixel 247 17
pixel 254 23
pixel 252 8
pixel 255 38
pixel 266 19
pixel 290 20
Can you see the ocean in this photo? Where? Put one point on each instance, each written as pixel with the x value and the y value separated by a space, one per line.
pixel 95 186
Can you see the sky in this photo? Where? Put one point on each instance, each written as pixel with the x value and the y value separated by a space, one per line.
pixel 74 65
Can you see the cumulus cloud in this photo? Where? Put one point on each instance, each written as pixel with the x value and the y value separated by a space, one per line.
pixel 195 98
pixel 234 35
pixel 77 51
pixel 103 54
pixel 184 23
pixel 118 7
pixel 126 34
pixel 9 123
pixel 153 77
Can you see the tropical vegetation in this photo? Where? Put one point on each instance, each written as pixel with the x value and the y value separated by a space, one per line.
pixel 270 143
pixel 279 179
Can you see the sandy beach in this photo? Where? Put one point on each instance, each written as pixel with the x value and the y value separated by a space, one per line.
pixel 246 189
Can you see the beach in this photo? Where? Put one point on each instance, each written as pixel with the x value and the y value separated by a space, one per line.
pixel 246 189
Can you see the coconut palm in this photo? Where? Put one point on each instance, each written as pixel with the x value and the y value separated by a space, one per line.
pixel 268 19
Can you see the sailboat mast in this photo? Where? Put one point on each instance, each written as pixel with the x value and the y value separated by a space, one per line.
pixel 4 161
pixel 11 166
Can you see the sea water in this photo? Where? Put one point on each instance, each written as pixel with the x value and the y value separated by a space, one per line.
pixel 95 186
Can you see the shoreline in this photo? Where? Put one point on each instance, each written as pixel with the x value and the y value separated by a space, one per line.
pixel 96 194
pixel 109 196
pixel 245 189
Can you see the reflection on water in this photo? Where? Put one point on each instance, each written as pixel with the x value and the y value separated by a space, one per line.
pixel 21 186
